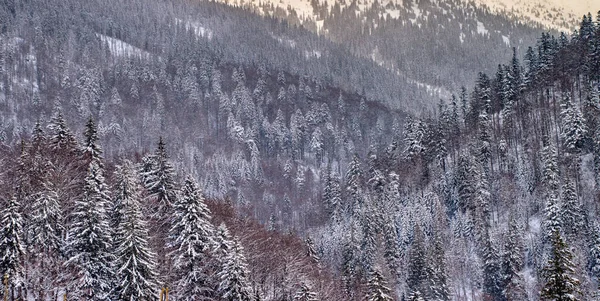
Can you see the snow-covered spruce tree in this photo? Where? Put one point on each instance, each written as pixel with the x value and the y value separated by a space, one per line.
pixel 377 287
pixel 571 213
pixel 159 178
pixel 573 129
pixel 223 243
pixel 91 148
pixel 550 179
pixel 305 294
pixel 512 264
pixel 191 238
pixel 61 139
pixel 332 196
pixel 136 263
pixel 559 273
pixel 354 182
pixel 436 269
pixel 11 244
pixel 234 284
pixel 417 269
pixel 466 181
pixel 492 278
pixel 88 241
pixel 310 250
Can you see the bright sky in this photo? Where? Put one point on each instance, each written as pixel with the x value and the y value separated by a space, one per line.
pixel 579 7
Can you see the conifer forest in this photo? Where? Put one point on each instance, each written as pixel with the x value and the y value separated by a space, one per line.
pixel 359 150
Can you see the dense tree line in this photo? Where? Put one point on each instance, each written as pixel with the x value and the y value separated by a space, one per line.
pixel 492 196
pixel 77 226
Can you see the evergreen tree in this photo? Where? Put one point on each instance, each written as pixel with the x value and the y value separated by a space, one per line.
pixel 159 178
pixel 377 288
pixel 571 213
pixel 223 243
pixel 310 250
pixel 573 129
pixel 192 239
pixel 305 294
pixel 136 263
pixel 354 182
pixel 11 243
pixel 61 137
pixel 46 221
pixel 437 273
pixel 89 240
pixel 559 273
pixel 512 265
pixel 417 264
pixel 234 276
pixel 91 149
pixel 492 279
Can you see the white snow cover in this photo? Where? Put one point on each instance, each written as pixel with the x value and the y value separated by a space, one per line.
pixel 120 48
pixel 197 27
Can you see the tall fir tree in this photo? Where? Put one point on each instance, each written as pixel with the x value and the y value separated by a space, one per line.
pixel 89 241
pixel 135 262
pixel 91 148
pixel 234 284
pixel 61 139
pixel 192 240
pixel 492 278
pixel 559 273
pixel 377 289
pixel 571 211
pixel 12 248
pixel 417 263
pixel 159 178
pixel 437 275
pixel 513 264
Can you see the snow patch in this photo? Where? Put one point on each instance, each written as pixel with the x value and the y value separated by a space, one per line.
pixel 393 13
pixel 198 29
pixel 506 40
pixel 120 48
pixel 432 90
pixel 285 41
pixel 481 29
pixel 311 54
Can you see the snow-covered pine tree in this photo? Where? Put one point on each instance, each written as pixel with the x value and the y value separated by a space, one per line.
pixel 571 213
pixel 550 180
pixel 466 182
pixel 377 289
pixel 310 250
pixel 159 178
pixel 332 196
pixel 89 239
pixel 354 182
pixel 11 244
pixel 512 264
pixel 304 293
pixel 136 262
pixel 234 284
pixel 91 149
pixel 417 264
pixel 559 273
pixel 46 220
pixel 573 129
pixel 492 278
pixel 436 267
pixel 61 139
pixel 192 240
pixel 46 230
pixel 223 243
